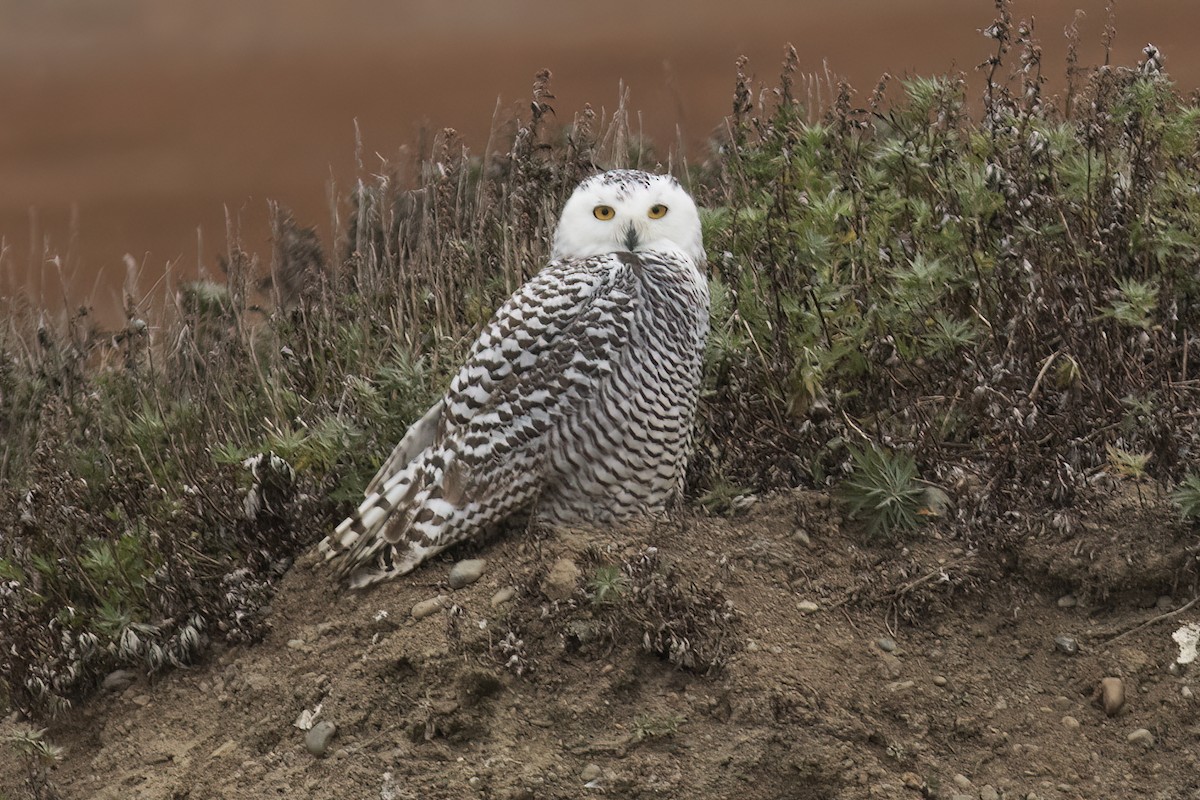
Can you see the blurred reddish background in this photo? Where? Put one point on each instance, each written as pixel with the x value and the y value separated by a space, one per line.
pixel 130 126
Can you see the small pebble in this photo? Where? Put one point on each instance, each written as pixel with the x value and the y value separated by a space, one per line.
pixel 1141 736
pixel 1187 693
pixel 803 538
pixel 316 741
pixel 1112 695
pixel 1070 723
pixel 466 572
pixel 988 792
pixel 590 773
pixel 297 644
pixel 962 781
pixel 961 796
pixel 1068 601
pixel 885 644
pixel 228 747
pixel 431 606
pixel 807 606
pixel 752 646
pixel 503 596
pixel 1066 644
pixel 940 680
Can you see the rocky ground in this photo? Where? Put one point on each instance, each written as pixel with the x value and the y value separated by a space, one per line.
pixel 776 654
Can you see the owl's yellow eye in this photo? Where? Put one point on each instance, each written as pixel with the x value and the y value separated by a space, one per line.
pixel 657 211
pixel 603 212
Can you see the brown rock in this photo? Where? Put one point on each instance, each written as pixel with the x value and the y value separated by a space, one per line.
pixel 1141 737
pixel 1111 694
pixel 316 741
pixel 503 596
pixel 466 572
pixel 431 606
pixel 561 580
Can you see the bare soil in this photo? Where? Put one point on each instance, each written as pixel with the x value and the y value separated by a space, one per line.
pixel 806 704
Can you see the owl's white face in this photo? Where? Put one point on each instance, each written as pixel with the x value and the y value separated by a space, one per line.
pixel 628 210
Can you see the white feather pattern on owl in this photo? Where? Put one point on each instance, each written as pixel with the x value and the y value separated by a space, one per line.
pixel 576 403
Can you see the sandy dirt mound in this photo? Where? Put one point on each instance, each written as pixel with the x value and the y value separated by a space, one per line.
pixel 778 654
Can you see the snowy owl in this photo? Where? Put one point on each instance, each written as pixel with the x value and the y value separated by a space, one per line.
pixel 577 401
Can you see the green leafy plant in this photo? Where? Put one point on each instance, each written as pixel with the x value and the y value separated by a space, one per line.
pixel 608 584
pixel 1187 496
pixel 1134 303
pixel 40 756
pixel 882 489
pixel 1127 464
pixel 724 498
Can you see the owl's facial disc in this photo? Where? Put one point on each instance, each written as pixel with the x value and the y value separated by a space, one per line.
pixel 628 210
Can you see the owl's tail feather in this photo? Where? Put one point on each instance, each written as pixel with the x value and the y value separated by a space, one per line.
pixel 370 546
pixel 429 505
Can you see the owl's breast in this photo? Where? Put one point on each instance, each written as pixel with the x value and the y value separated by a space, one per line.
pixel 672 313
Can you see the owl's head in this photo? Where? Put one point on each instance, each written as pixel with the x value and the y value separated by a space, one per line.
pixel 628 210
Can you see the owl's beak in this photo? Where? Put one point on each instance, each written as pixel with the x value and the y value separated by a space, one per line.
pixel 631 237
